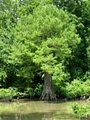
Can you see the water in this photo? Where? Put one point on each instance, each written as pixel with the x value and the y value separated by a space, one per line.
pixel 37 110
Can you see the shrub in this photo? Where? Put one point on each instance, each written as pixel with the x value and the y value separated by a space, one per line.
pixel 83 112
pixel 29 92
pixel 77 89
pixel 74 89
pixel 38 90
pixel 34 92
pixel 9 92
pixel 60 90
pixel 86 86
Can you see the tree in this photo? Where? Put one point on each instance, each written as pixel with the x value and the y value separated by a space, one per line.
pixel 8 19
pixel 45 38
pixel 77 66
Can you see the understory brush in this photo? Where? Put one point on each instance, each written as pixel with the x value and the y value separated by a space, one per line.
pixel 9 92
pixel 78 89
pixel 82 111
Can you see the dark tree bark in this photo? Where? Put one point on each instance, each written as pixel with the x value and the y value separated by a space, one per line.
pixel 48 92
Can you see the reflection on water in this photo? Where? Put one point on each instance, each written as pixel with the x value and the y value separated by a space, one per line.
pixel 36 110
pixel 37 116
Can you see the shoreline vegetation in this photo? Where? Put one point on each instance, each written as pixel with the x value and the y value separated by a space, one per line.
pixel 77 89
pixel 82 111
pixel 72 110
pixel 26 98
pixel 45 51
pixel 45 48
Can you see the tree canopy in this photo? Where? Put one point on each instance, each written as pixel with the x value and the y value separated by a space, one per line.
pixel 44 36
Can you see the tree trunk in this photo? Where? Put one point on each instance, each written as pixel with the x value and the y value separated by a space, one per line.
pixel 48 92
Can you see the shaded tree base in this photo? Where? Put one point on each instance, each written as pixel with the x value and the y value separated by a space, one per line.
pixel 48 92
pixel 48 95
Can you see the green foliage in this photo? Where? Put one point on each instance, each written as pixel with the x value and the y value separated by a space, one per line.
pixel 27 6
pixel 29 92
pixel 3 74
pixel 10 92
pixel 45 38
pixel 82 111
pixel 38 90
pixel 86 88
pixel 7 22
pixel 74 89
pixel 34 92
pixel 54 30
pixel 77 89
pixel 45 35
pixel 77 66
pixel 60 89
pixel 60 77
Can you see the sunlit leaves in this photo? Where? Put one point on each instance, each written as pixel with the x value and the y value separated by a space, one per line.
pixel 45 38
pixel 3 74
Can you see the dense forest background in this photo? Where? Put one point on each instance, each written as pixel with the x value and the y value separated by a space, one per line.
pixel 45 43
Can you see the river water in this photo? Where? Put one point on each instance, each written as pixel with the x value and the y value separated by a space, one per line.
pixel 37 110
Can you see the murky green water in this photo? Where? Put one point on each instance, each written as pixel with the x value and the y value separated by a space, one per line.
pixel 37 110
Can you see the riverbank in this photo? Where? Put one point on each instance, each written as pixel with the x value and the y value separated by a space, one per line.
pixel 37 110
